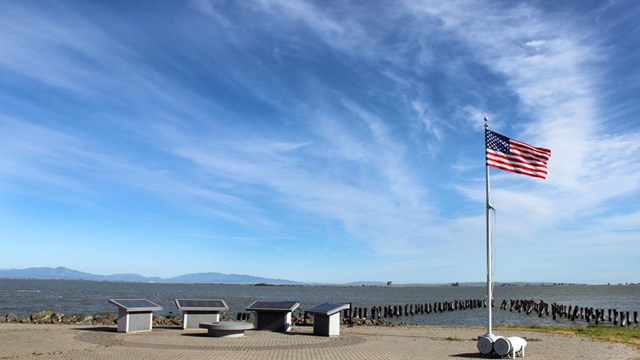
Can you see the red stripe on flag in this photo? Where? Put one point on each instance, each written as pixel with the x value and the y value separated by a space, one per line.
pixel 504 162
pixel 535 152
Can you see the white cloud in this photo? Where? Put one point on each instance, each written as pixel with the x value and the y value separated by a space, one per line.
pixel 548 65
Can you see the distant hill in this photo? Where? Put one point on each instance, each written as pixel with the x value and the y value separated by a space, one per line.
pixel 218 278
pixel 366 283
pixel 48 273
pixel 62 273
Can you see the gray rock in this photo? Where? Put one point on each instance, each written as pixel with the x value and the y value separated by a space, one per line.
pixel 56 318
pixel 13 318
pixel 41 317
pixel 85 320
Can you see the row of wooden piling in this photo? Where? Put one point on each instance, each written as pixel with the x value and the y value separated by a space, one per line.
pixel 396 310
pixel 541 308
pixel 573 313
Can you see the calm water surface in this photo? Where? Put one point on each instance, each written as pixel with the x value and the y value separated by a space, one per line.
pixel 24 297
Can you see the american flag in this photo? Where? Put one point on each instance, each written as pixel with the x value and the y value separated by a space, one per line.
pixel 515 156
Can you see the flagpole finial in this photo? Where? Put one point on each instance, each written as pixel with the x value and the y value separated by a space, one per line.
pixel 486 122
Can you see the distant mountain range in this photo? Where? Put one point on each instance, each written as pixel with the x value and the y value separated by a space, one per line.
pixel 62 273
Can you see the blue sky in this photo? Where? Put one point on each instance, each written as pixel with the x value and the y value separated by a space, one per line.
pixel 319 141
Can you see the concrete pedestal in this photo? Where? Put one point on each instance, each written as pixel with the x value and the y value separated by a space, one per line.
pixel 326 319
pixel 199 311
pixel 273 315
pixel 135 315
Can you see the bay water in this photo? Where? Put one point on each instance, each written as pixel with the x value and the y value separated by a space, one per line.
pixel 24 297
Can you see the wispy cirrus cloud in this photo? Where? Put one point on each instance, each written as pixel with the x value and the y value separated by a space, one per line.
pixel 550 67
pixel 352 190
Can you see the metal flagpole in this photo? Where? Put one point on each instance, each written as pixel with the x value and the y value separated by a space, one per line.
pixel 489 262
pixel 485 342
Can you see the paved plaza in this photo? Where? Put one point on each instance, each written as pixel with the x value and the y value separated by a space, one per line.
pixel 28 341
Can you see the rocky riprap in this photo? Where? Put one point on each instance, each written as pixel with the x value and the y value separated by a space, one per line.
pixel 307 320
pixel 50 317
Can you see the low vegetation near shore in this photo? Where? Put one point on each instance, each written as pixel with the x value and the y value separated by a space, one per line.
pixel 626 335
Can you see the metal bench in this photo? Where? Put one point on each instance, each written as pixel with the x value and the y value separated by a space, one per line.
pixel 197 311
pixel 326 318
pixel 273 315
pixel 226 328
pixel 135 315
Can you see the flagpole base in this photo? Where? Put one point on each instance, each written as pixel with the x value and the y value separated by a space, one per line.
pixel 485 343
